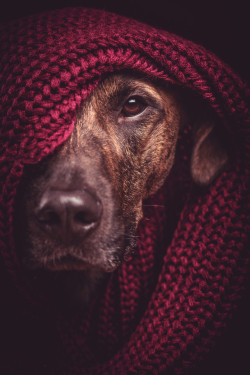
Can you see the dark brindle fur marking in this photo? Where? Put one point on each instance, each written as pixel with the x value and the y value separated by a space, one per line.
pixel 77 212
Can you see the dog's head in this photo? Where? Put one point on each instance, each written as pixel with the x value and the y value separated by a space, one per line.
pixel 78 210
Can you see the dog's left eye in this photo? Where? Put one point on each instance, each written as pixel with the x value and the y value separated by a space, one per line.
pixel 133 106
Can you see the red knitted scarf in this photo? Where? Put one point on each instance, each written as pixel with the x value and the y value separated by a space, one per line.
pixel 164 307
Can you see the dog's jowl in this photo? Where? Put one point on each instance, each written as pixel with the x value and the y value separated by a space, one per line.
pixel 77 212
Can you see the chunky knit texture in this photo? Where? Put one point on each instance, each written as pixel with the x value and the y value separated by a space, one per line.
pixel 166 305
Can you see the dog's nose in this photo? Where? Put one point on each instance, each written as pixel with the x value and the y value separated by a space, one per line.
pixel 69 215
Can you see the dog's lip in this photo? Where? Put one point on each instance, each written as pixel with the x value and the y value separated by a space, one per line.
pixel 68 263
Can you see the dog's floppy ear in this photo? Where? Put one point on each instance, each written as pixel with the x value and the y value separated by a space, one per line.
pixel 210 139
pixel 209 154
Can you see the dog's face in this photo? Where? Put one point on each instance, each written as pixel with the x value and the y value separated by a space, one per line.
pixel 77 212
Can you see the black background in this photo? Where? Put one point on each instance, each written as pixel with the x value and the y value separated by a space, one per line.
pixel 222 27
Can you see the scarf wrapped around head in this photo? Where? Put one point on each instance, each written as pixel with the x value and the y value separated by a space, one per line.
pixel 164 307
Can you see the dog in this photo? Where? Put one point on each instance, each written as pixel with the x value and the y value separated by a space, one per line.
pixel 78 210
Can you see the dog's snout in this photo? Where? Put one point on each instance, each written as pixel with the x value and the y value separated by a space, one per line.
pixel 69 215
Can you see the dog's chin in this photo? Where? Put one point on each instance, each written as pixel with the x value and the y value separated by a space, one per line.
pixel 70 278
pixel 70 283
pixel 71 290
pixel 75 290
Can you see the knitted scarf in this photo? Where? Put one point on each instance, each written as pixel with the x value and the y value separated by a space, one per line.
pixel 164 307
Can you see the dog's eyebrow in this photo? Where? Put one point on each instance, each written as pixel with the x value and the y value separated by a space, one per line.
pixel 119 90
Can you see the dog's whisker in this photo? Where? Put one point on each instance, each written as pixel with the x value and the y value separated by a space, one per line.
pixel 154 205
pixel 131 236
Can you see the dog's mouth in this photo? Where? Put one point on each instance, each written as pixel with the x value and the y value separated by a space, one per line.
pixel 73 262
pixel 68 263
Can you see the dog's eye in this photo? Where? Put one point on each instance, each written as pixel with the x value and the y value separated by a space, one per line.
pixel 133 106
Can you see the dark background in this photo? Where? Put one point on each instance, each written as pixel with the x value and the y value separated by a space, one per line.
pixel 222 27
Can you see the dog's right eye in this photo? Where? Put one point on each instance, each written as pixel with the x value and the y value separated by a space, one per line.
pixel 133 106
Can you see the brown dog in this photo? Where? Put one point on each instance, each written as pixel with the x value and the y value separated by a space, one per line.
pixel 80 208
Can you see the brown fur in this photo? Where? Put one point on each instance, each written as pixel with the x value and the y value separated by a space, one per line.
pixel 121 160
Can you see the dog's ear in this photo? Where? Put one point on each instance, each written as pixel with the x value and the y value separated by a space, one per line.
pixel 209 154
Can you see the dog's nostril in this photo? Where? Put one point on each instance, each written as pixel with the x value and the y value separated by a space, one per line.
pixel 49 217
pixel 84 218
